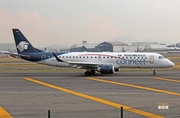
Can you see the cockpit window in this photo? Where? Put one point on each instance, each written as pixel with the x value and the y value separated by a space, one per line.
pixel 161 57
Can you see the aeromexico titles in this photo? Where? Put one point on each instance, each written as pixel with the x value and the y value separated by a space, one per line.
pixel 103 62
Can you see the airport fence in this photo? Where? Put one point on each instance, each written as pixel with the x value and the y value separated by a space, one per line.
pixel 109 113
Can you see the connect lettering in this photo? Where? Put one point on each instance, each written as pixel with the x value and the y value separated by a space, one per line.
pixel 131 61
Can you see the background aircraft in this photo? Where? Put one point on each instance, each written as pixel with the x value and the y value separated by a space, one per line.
pixel 103 62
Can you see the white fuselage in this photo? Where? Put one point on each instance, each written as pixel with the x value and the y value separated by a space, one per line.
pixel 118 60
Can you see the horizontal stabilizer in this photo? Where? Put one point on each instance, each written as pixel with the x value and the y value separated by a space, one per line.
pixel 15 54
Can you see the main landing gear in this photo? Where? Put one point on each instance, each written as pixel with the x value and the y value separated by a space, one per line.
pixel 154 72
pixel 89 72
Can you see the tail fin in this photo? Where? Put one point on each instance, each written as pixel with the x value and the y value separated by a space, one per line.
pixel 22 44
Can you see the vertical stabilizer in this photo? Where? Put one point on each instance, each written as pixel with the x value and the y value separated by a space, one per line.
pixel 22 44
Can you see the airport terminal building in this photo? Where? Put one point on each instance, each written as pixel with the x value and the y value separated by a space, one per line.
pixel 117 46
pixel 113 46
pixel 84 47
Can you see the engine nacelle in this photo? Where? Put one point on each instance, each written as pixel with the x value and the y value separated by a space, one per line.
pixel 106 69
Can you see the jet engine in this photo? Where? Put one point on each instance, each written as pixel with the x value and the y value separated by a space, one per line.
pixel 106 69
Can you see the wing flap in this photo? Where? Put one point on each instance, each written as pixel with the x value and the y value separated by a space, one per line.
pixel 83 63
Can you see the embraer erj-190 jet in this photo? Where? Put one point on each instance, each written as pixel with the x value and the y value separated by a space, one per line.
pixel 103 62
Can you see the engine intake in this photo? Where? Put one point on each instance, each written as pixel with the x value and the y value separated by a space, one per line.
pixel 106 69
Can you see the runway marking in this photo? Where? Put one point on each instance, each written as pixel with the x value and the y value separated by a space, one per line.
pixel 171 80
pixel 4 113
pixel 113 104
pixel 135 86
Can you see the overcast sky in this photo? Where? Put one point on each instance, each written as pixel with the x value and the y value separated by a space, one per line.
pixel 68 22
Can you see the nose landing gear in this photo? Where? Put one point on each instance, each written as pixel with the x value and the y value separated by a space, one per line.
pixel 154 72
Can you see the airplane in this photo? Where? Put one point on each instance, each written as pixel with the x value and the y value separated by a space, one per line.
pixel 92 62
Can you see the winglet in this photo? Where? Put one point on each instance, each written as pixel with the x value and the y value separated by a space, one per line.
pixel 59 60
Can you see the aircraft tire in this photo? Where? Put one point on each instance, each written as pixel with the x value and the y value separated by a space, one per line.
pixel 87 73
pixel 92 72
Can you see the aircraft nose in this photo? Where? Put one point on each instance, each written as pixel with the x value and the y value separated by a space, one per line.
pixel 170 63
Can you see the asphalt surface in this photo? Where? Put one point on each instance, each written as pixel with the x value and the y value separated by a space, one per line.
pixel 132 90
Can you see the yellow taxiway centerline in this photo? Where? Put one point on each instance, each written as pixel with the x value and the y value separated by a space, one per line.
pixel 135 86
pixel 113 104
pixel 171 80
pixel 4 113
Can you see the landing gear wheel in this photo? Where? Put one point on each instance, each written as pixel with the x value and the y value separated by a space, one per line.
pixel 154 72
pixel 92 72
pixel 87 73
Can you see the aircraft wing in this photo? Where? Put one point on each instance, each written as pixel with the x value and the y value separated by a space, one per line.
pixel 83 64
pixel 15 54
pixel 78 64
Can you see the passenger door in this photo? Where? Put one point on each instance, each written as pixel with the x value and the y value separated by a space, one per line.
pixel 151 59
pixel 43 58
